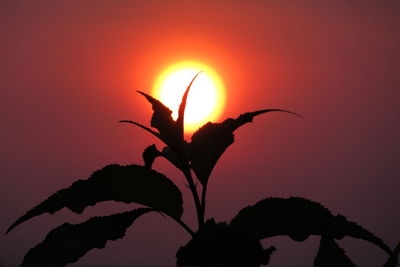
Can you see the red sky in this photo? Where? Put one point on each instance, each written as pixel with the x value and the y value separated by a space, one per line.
pixel 69 70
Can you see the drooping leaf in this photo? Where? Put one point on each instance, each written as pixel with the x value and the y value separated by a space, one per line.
pixel 211 140
pixel 298 218
pixel 215 244
pixel 331 255
pixel 69 242
pixel 128 184
pixel 392 261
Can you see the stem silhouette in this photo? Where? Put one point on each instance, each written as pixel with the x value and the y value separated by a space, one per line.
pixel 237 243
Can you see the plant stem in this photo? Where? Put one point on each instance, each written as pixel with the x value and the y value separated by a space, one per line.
pixel 203 200
pixel 192 186
pixel 184 225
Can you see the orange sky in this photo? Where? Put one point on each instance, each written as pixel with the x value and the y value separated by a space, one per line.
pixel 69 71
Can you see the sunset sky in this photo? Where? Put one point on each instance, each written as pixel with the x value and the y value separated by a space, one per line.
pixel 69 71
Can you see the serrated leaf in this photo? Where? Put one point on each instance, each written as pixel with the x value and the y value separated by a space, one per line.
pixel 162 120
pixel 210 141
pixel 392 261
pixel 331 255
pixel 128 184
pixel 69 242
pixel 298 218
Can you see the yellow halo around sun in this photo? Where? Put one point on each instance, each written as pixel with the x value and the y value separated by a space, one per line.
pixel 206 99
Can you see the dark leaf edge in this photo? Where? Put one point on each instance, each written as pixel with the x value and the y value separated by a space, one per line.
pixel 170 132
pixel 69 242
pixel 102 186
pixel 298 218
pixel 211 140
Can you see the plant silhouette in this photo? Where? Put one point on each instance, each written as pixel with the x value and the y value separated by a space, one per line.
pixel 213 243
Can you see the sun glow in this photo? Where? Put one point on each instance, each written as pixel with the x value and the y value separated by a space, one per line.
pixel 206 98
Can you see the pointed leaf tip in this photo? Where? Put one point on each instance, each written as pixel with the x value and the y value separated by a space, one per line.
pixel 143 127
pixel 212 139
pixel 182 106
pixel 298 218
pixel 127 184
pixel 169 131
pixel 158 106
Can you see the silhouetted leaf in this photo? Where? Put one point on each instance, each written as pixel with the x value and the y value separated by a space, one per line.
pixel 331 255
pixel 182 106
pixel 169 131
pixel 151 153
pixel 215 244
pixel 128 184
pixel 168 154
pixel 392 261
pixel 68 242
pixel 156 134
pixel 210 141
pixel 162 120
pixel 298 218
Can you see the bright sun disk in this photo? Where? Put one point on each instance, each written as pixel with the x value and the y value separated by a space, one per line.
pixel 206 98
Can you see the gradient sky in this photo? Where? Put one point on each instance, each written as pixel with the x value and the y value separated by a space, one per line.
pixel 69 71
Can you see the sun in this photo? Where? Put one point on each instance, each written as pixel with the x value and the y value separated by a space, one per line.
pixel 206 99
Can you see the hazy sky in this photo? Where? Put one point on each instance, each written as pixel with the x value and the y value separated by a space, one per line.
pixel 69 71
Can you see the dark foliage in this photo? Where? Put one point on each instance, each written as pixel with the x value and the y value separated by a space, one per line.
pixel 149 155
pixel 169 131
pixel 77 239
pixel 211 141
pixel 297 218
pixel 214 244
pixel 128 184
